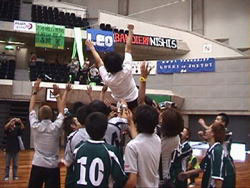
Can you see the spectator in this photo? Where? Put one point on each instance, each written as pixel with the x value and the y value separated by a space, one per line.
pixel 74 67
pixel 172 124
pixel 96 161
pixel 46 141
pixel 33 59
pixel 12 129
pixel 142 154
pixel 218 167
pixel 116 73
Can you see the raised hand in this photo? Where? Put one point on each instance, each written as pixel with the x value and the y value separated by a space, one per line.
pixel 130 27
pixel 56 90
pixel 145 69
pixel 68 87
pixel 89 90
pixel 89 44
pixel 37 85
pixel 104 89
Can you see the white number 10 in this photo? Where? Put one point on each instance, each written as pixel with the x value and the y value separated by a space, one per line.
pixel 95 181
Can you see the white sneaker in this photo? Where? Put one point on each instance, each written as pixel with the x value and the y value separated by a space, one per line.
pixel 16 178
pixel 6 178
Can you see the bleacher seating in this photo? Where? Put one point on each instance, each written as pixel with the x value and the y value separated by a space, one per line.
pixel 49 72
pixel 50 15
pixel 108 27
pixel 7 69
pixel 9 10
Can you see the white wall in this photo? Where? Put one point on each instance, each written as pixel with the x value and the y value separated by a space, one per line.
pixel 171 14
pixel 228 19
pixel 194 42
pixel 93 6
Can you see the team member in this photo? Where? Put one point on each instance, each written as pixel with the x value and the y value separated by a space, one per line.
pixel 46 141
pixel 223 119
pixel 142 154
pixel 116 73
pixel 180 158
pixel 96 161
pixel 218 167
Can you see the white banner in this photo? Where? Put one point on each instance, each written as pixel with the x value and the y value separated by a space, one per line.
pixel 24 26
pixel 78 39
pixel 137 64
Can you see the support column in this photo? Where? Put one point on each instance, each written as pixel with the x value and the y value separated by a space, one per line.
pixel 197 16
pixel 123 6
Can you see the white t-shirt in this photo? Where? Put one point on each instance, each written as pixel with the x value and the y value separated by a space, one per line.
pixel 122 83
pixel 142 157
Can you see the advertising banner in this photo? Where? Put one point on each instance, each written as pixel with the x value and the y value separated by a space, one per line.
pixel 23 26
pixel 103 40
pixel 49 36
pixel 186 65
pixel 147 40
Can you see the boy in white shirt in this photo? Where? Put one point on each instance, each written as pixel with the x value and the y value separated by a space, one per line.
pixel 116 73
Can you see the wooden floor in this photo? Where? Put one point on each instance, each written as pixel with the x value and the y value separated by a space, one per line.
pixel 25 159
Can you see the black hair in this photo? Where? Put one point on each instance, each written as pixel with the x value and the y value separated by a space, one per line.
pixel 67 124
pixel 96 125
pixel 225 118
pixel 98 106
pixel 148 101
pixel 113 62
pixel 82 113
pixel 172 122
pixel 75 106
pixel 146 118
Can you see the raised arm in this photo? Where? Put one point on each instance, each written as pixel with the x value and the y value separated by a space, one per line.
pixel 145 70
pixel 60 104
pixel 35 91
pixel 65 94
pixel 18 120
pixel 9 123
pixel 98 60
pixel 89 92
pixel 103 92
pixel 203 123
pixel 128 47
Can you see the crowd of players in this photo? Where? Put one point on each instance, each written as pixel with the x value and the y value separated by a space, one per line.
pixel 131 144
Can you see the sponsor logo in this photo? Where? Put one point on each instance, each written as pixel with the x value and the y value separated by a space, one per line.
pixel 147 40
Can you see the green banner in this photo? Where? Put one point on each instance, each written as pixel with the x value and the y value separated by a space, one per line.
pixel 49 36
pixel 159 98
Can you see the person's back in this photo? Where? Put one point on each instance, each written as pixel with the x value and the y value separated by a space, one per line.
pixel 93 155
pixel 46 138
pixel 147 148
pixel 95 162
pixel 142 154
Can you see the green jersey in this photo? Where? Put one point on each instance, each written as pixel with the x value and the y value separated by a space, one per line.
pixel 95 162
pixel 179 163
pixel 217 164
